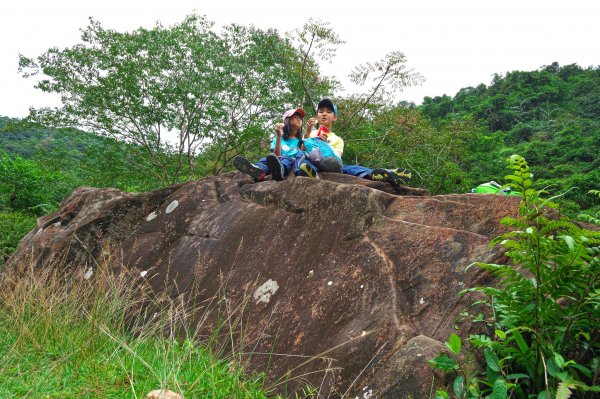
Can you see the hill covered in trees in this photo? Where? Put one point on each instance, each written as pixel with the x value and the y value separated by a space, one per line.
pixel 550 116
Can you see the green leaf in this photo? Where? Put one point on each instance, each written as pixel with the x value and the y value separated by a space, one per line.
pixel 520 341
pixel 552 367
pixel 500 390
pixel 454 343
pixel 516 376
pixel 459 386
pixel 560 361
pixel 439 394
pixel 586 371
pixel 514 178
pixel 543 395
pixel 491 360
pixel 501 334
pixel 443 362
pixel 570 241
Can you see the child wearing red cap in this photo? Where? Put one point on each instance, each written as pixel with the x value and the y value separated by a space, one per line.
pixel 284 148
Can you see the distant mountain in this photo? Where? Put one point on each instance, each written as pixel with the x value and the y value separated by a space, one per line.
pixel 27 141
pixel 82 158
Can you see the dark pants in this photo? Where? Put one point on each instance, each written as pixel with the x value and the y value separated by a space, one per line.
pixel 302 158
pixel 357 170
pixel 286 161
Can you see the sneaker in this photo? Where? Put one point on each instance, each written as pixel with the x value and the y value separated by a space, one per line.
pixel 402 174
pixel 244 166
pixel 276 168
pixel 307 171
pixel 396 177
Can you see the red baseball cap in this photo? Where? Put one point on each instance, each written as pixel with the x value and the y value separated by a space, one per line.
pixel 292 112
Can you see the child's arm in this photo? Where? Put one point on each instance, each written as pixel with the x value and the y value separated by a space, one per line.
pixel 278 133
pixel 309 127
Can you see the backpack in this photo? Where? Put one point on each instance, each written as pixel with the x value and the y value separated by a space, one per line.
pixel 493 188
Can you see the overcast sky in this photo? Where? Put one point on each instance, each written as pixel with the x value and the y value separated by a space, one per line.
pixel 454 44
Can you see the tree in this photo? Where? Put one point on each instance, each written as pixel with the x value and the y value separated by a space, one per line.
pixel 386 77
pixel 314 41
pixel 437 155
pixel 187 83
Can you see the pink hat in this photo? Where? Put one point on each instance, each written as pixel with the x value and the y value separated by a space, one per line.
pixel 292 112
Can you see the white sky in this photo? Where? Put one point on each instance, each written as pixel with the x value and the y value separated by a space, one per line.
pixel 453 43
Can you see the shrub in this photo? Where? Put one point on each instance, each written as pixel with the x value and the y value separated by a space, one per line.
pixel 544 311
pixel 13 226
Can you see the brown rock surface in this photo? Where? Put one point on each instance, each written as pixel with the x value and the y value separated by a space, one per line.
pixel 351 275
pixel 163 394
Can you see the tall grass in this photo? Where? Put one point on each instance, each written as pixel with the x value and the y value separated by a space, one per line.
pixel 69 335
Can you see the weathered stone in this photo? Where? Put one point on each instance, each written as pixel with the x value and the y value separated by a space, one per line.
pixel 163 394
pixel 343 274
pixel 407 374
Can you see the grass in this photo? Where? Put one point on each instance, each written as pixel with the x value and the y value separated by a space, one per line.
pixel 63 335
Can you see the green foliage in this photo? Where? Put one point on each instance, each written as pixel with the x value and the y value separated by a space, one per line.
pixel 591 216
pixel 46 165
pixel 26 186
pixel 81 158
pixel 401 137
pixel 202 88
pixel 13 226
pixel 545 311
pixel 550 116
pixel 467 384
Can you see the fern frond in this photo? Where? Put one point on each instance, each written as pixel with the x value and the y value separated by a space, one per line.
pixel 563 391
pixel 588 219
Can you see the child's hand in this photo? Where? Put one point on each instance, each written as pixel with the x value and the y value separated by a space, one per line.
pixel 310 124
pixel 323 133
pixel 279 129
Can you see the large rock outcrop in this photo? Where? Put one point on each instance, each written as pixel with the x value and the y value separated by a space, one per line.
pixel 363 281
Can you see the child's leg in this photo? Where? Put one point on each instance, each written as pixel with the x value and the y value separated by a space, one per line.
pixel 357 170
pixel 304 167
pixel 330 164
pixel 262 164
pixel 257 171
pixel 277 171
pixel 288 164
pixel 395 177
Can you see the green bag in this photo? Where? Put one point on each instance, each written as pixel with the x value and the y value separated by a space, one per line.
pixel 494 188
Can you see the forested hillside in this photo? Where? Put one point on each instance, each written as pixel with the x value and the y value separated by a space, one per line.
pixel 551 117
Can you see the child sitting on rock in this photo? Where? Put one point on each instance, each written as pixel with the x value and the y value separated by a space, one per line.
pixel 284 145
pixel 326 115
